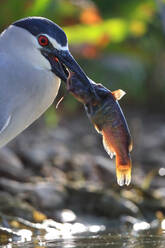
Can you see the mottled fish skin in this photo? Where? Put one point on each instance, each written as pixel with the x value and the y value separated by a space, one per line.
pixel 108 119
pixel 83 93
pixel 77 89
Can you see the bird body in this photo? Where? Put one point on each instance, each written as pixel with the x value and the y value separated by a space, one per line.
pixel 32 65
pixel 24 94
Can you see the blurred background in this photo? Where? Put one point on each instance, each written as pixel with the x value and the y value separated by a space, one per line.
pixel 58 168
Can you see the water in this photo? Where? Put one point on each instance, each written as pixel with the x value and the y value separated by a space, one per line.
pixel 127 232
pixel 99 241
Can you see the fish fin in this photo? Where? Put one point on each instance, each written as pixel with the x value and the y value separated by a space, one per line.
pixel 97 128
pixel 118 94
pixel 123 171
pixel 107 146
pixel 130 146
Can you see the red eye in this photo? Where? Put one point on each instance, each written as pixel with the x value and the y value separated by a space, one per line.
pixel 43 40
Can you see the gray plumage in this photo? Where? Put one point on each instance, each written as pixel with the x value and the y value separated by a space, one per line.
pixel 27 85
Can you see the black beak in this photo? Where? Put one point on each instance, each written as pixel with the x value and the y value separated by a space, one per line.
pixel 60 60
pixel 67 60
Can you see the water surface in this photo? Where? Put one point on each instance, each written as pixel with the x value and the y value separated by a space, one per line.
pixel 99 241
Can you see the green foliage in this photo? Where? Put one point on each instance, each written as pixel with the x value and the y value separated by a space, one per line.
pixel 115 29
pixel 125 9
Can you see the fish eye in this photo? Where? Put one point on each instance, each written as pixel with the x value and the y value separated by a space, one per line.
pixel 43 40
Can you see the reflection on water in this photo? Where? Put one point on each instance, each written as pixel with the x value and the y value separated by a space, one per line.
pixel 138 234
pixel 101 241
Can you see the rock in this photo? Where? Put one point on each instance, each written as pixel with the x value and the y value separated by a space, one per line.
pixel 90 168
pixel 14 187
pixel 35 155
pixel 148 201
pixel 112 205
pixel 106 170
pixel 38 148
pixel 48 196
pixel 11 166
pixel 43 195
pixel 104 203
pixel 13 206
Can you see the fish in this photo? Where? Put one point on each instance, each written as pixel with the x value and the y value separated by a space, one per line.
pixel 108 119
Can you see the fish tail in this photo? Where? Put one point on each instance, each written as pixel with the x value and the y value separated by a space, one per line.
pixel 123 171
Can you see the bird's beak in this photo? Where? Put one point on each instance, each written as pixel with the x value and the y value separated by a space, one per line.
pixel 60 60
pixel 66 60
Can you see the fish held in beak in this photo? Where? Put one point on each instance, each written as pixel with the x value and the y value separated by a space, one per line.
pixel 108 119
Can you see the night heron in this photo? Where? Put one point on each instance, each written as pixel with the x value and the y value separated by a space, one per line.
pixel 34 57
